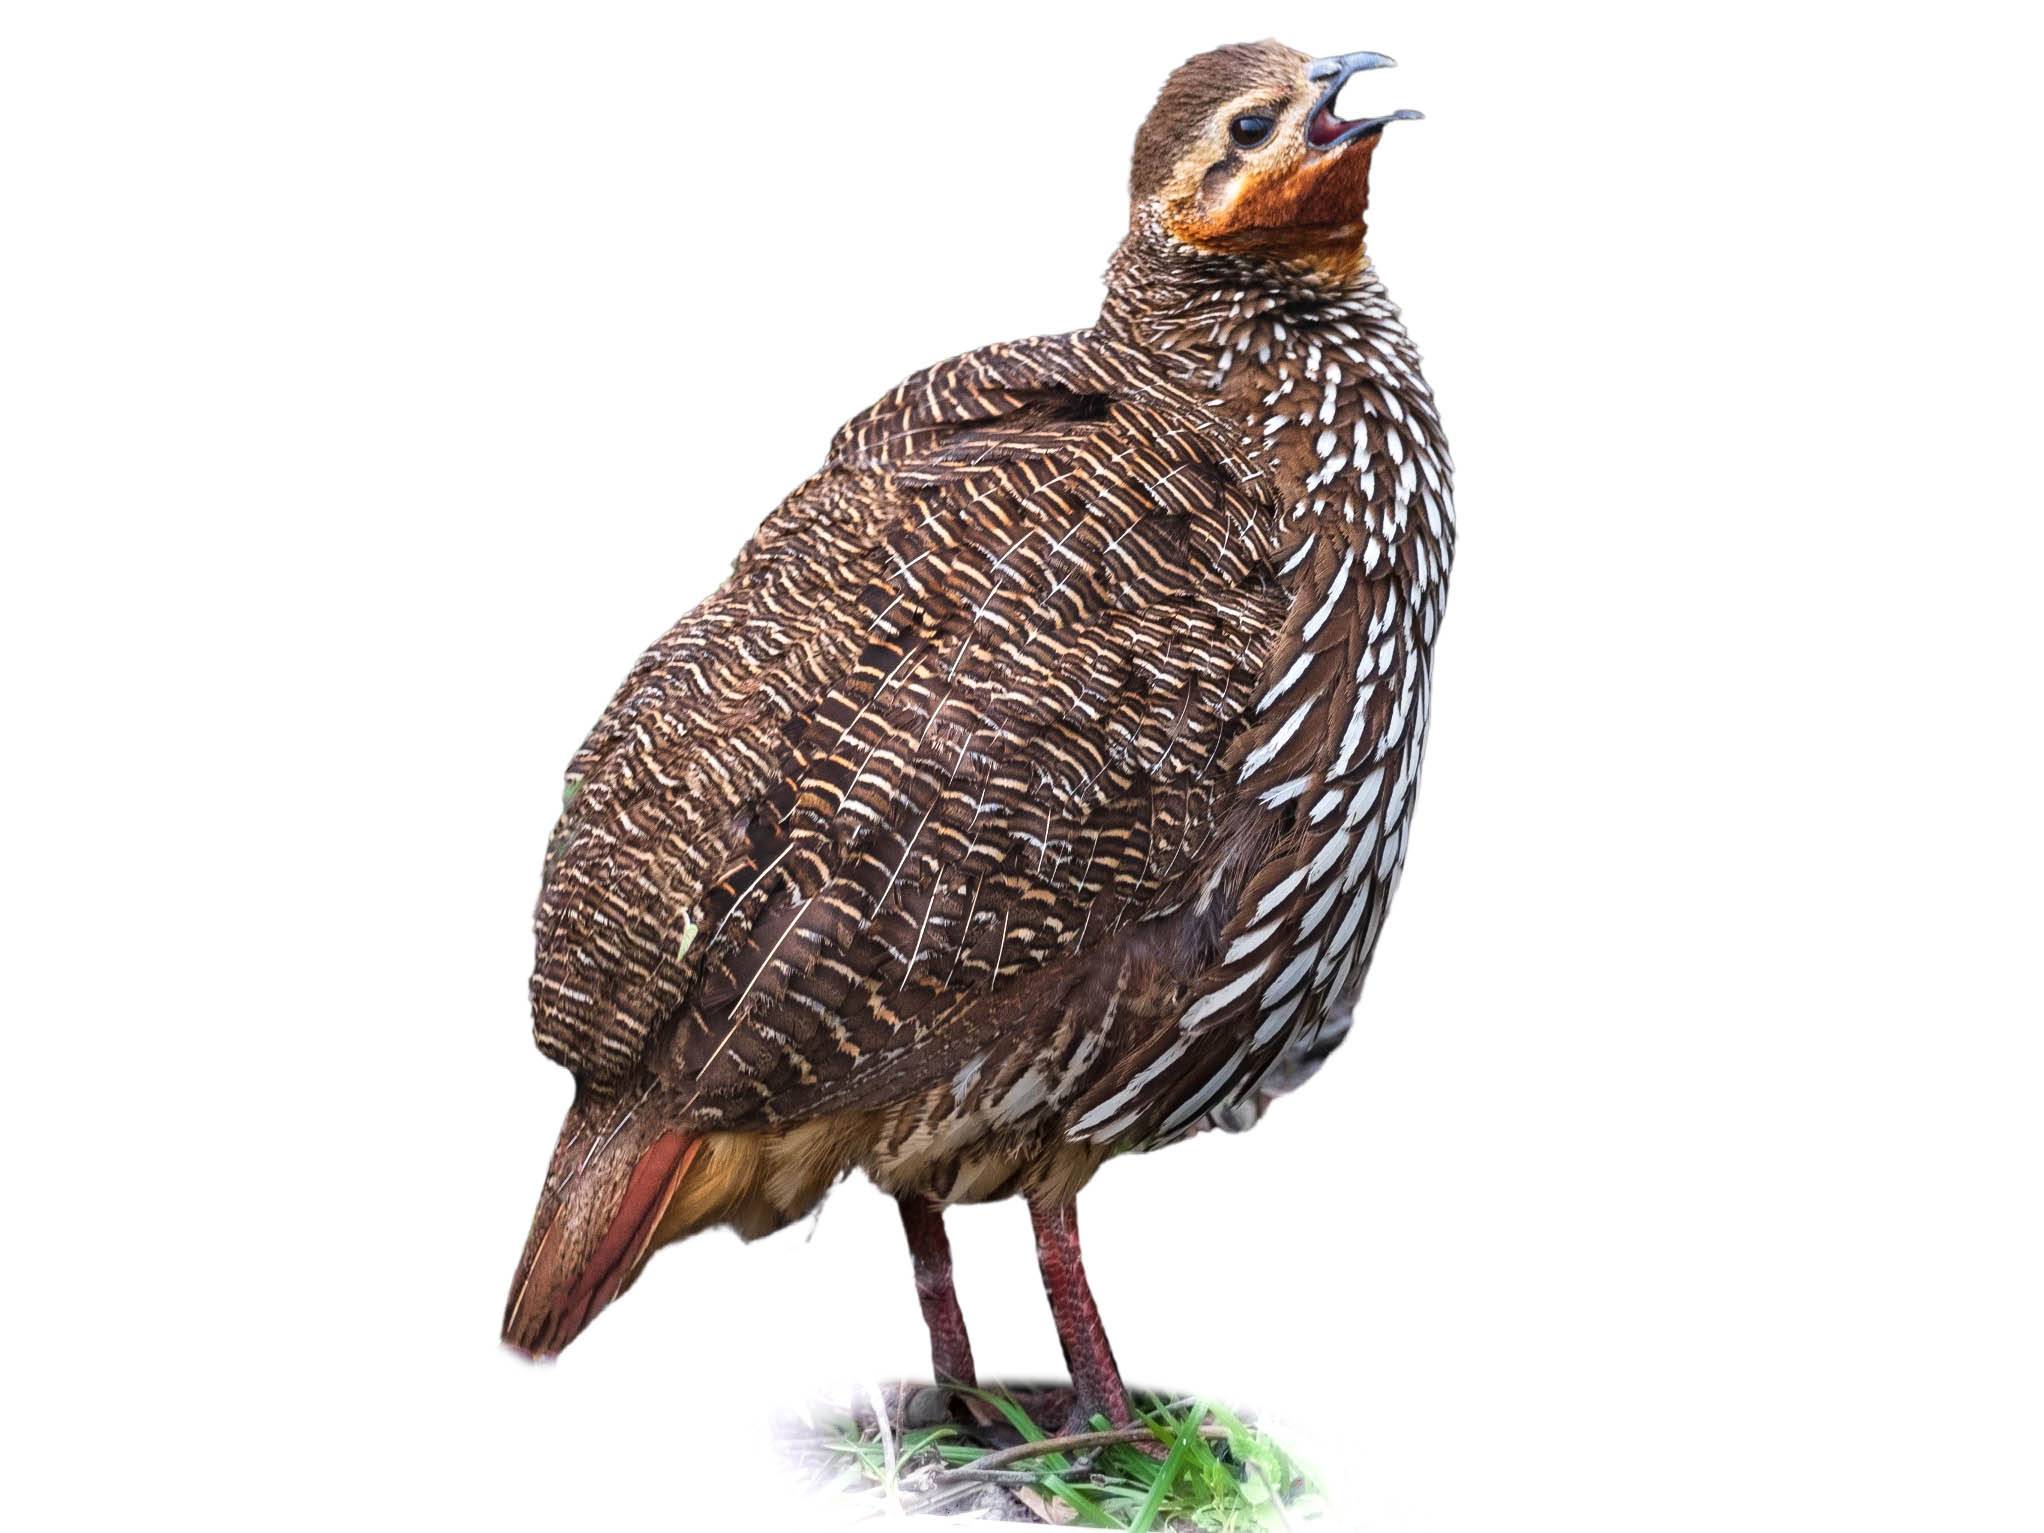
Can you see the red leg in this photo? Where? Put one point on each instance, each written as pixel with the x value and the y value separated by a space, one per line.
pixel 1096 1381
pixel 922 1220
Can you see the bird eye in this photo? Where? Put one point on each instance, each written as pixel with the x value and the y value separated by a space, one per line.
pixel 1250 129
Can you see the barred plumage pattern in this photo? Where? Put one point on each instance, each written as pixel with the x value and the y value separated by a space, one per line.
pixel 1047 761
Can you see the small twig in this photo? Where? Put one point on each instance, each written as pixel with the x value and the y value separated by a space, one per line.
pixel 1005 1456
pixel 972 1474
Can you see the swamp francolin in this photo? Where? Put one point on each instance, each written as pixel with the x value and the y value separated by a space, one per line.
pixel 1035 787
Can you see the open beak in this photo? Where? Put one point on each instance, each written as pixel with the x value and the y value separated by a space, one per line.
pixel 1324 130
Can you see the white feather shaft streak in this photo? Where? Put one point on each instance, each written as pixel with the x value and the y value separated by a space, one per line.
pixel 1248 942
pixel 1207 1005
pixel 1279 893
pixel 1263 754
pixel 1284 682
pixel 1326 610
pixel 1190 1107
pixel 1113 1104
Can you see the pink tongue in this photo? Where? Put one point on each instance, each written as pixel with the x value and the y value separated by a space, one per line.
pixel 1325 127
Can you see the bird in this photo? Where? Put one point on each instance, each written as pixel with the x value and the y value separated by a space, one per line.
pixel 1034 789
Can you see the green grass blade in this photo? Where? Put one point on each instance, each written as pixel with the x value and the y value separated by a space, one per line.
pixel 1088 1509
pixel 1243 1482
pixel 1017 1417
pixel 1188 1434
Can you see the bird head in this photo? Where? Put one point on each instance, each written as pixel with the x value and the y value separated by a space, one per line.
pixel 1244 155
pixel 615 1171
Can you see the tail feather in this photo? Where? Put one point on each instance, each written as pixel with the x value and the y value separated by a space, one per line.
pixel 588 1252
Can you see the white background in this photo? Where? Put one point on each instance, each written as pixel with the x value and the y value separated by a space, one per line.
pixel 379 379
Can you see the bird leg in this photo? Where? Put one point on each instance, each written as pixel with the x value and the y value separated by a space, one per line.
pixel 922 1220
pixel 1096 1381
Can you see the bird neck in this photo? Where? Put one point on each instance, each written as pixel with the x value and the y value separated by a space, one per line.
pixel 1175 298
pixel 1318 375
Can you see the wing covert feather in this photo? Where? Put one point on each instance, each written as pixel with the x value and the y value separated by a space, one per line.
pixel 957 714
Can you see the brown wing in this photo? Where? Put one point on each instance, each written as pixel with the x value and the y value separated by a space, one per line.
pixel 957 716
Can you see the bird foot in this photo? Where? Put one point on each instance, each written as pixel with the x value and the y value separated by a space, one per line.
pixel 1056 1410
pixel 1059 1411
pixel 911 1405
